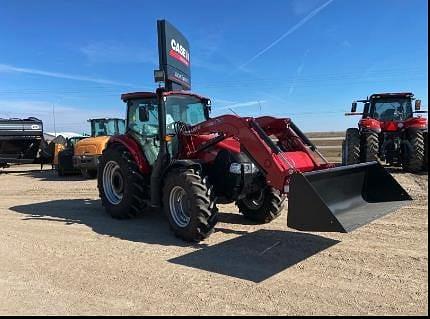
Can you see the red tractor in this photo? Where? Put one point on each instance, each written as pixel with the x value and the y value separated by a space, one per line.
pixel 388 131
pixel 174 157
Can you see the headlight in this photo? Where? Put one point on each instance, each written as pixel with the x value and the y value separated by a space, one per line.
pixel 248 168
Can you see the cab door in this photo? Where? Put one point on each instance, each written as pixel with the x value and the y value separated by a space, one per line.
pixel 142 121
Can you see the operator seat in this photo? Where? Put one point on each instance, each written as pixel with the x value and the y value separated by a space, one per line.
pixel 387 115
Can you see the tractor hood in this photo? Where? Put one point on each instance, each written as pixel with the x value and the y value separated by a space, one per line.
pixel 91 145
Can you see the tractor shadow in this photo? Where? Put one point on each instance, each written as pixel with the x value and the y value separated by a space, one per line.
pixel 254 256
pixel 44 175
pixel 151 228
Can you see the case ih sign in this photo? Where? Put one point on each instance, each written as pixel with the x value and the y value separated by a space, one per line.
pixel 174 55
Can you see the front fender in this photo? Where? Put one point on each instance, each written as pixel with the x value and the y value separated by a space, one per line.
pixel 135 150
pixel 370 125
pixel 184 163
pixel 416 123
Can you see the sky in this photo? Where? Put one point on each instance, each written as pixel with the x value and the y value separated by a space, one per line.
pixel 303 59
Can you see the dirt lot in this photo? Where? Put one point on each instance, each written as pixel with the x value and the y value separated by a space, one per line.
pixel 61 254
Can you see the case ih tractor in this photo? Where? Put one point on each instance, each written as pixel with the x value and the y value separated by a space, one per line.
pixel 88 151
pixel 174 157
pixel 388 131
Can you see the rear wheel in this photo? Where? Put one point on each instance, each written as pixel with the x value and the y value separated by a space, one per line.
pixel 89 173
pixel 187 204
pixel 426 151
pixel 370 147
pixel 415 152
pixel 351 147
pixel 120 183
pixel 261 207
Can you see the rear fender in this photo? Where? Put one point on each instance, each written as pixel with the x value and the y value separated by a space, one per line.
pixel 135 150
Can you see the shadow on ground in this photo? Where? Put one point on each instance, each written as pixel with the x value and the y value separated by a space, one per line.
pixel 252 256
pixel 47 175
pixel 256 256
pixel 399 170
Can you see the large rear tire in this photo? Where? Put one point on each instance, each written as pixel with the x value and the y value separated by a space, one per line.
pixel 188 206
pixel 122 187
pixel 261 207
pixel 370 147
pixel 415 153
pixel 426 152
pixel 351 147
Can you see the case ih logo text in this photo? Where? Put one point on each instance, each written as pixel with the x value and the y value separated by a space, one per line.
pixel 179 53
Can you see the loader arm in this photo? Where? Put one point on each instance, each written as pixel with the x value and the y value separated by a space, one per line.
pixel 278 165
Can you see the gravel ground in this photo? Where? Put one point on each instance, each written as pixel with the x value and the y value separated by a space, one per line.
pixel 60 254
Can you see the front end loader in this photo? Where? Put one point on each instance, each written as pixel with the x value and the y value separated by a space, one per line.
pixel 176 158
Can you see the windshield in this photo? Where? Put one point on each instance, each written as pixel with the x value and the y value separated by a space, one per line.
pixel 109 127
pixel 184 108
pixel 179 108
pixel 394 109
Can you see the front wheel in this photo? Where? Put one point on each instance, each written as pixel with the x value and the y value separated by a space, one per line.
pixel 370 149
pixel 261 207
pixel 351 147
pixel 414 157
pixel 187 204
pixel 120 183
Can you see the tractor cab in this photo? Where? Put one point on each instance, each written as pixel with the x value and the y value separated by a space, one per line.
pixel 155 117
pixel 391 108
pixel 107 126
pixel 388 107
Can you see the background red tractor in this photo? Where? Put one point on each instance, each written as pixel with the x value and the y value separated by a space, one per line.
pixel 388 131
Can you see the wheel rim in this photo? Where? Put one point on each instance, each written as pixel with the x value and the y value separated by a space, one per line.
pixel 113 183
pixel 178 206
pixel 254 201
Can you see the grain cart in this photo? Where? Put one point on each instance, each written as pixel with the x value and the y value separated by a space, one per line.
pixel 88 151
pixel 176 158
pixel 388 131
pixel 20 140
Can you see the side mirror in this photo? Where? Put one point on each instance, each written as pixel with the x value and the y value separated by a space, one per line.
pixel 143 114
pixel 417 105
pixel 354 107
pixel 366 110
pixel 208 104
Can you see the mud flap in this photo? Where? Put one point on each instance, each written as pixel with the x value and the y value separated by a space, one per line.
pixel 342 199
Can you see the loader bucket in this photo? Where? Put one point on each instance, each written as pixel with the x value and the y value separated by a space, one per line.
pixel 342 199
